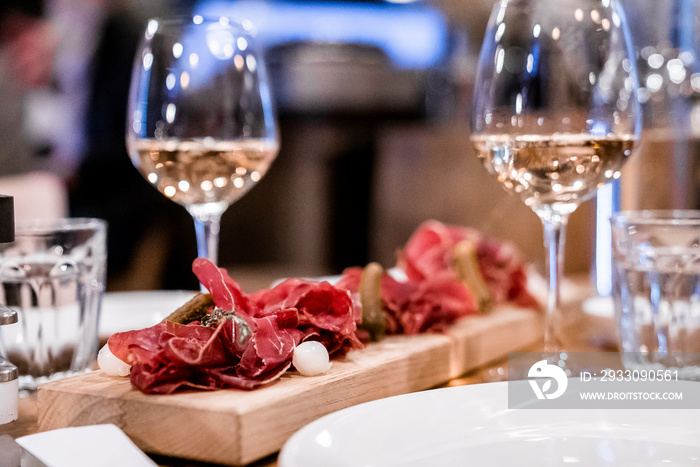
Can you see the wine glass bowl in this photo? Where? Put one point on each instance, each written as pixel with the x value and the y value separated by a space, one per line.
pixel 200 123
pixel 554 172
pixel 555 106
pixel 555 111
pixel 203 175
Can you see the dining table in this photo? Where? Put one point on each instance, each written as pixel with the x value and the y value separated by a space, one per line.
pixel 583 331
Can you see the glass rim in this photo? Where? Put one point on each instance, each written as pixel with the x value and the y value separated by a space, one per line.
pixel 64 224
pixel 179 21
pixel 657 217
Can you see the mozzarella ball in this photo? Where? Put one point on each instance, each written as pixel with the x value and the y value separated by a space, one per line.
pixel 110 364
pixel 311 358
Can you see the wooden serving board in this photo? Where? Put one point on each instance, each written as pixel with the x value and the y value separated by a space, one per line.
pixel 237 427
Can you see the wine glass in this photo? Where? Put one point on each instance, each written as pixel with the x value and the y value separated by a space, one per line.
pixel 555 113
pixel 200 122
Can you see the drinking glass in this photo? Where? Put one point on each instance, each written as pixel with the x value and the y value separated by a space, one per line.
pixel 555 112
pixel 53 277
pixel 200 124
pixel 657 289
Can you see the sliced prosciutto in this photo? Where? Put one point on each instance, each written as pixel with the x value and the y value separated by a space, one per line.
pixel 248 340
pixel 251 340
pixel 430 250
pixel 226 292
pixel 412 307
pixel 429 305
pixel 326 313
pixel 170 356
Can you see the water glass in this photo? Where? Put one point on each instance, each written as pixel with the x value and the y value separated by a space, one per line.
pixel 53 276
pixel 656 258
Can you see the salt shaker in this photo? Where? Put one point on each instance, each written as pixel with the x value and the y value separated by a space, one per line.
pixel 9 384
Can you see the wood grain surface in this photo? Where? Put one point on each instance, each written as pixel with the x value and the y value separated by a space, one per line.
pixel 236 427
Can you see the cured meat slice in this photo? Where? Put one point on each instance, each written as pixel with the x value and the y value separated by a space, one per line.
pixel 170 356
pixel 270 349
pixel 226 292
pixel 326 313
pixel 431 304
pixel 249 340
pixel 251 343
pixel 504 271
pixel 430 250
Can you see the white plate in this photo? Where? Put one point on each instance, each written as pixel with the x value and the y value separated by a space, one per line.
pixel 125 311
pixel 472 425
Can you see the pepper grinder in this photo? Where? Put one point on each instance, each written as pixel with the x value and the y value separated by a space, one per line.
pixel 9 382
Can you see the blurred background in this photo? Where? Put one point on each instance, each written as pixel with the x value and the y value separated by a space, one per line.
pixel 373 103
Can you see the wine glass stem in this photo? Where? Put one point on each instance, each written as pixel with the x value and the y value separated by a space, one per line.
pixel 554 239
pixel 207 229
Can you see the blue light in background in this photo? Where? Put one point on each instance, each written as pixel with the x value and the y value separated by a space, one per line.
pixel 412 36
pixel 599 128
pixel 535 59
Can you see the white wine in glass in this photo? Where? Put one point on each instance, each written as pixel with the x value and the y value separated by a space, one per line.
pixel 200 125
pixel 555 112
